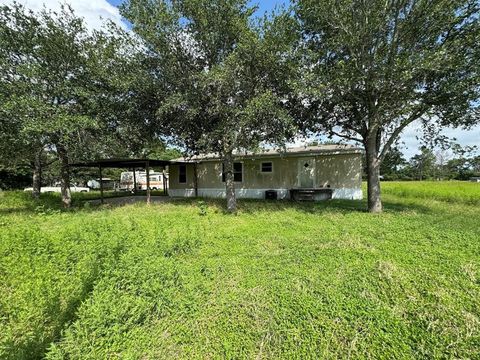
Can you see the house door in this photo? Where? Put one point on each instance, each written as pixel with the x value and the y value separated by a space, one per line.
pixel 306 173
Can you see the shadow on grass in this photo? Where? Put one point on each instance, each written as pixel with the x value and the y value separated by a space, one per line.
pixel 252 206
pixel 343 206
pixel 22 203
pixel 49 204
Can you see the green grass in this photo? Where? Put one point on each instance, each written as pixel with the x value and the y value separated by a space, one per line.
pixel 450 191
pixel 278 280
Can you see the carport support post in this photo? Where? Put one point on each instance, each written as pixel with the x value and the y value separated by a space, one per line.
pixel 164 178
pixel 147 168
pixel 134 182
pixel 101 184
pixel 195 178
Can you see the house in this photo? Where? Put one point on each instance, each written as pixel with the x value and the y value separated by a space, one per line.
pixel 313 172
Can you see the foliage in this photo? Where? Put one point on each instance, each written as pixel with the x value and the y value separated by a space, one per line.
pixel 453 162
pixel 65 89
pixel 158 149
pixel 281 280
pixel 423 164
pixel 393 162
pixel 223 82
pixel 372 68
pixel 13 178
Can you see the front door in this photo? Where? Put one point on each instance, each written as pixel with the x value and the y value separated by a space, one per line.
pixel 306 172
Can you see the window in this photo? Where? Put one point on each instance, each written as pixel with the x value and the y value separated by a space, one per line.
pixel 182 174
pixel 237 172
pixel 266 167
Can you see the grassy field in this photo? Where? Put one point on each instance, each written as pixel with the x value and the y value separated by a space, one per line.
pixel 278 280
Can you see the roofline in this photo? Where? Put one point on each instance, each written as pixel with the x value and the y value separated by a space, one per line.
pixel 123 163
pixel 195 159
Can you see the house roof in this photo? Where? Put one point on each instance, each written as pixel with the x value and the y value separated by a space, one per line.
pixel 123 163
pixel 293 151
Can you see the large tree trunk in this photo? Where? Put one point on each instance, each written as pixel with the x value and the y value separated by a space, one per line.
pixel 37 174
pixel 373 176
pixel 64 175
pixel 229 182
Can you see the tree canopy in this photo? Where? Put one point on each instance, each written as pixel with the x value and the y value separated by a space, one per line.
pixel 222 85
pixel 64 88
pixel 372 68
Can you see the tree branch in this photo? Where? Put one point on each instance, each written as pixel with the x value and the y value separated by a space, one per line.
pixel 397 132
pixel 346 136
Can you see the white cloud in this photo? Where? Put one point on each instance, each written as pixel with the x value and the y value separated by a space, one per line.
pixel 94 12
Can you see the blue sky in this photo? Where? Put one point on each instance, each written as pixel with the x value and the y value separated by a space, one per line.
pixel 263 5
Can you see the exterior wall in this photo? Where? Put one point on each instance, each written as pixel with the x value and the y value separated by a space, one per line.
pixel 341 172
pixel 173 177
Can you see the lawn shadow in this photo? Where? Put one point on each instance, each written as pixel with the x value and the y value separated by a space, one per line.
pixel 252 206
pixel 22 203
pixel 344 206
pixel 50 204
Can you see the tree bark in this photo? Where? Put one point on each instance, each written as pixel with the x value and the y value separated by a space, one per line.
pixel 64 175
pixel 37 174
pixel 373 176
pixel 229 182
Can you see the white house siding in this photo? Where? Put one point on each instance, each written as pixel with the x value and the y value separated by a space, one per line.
pixel 340 172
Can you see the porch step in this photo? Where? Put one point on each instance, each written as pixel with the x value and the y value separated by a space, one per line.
pixel 305 195
pixel 311 194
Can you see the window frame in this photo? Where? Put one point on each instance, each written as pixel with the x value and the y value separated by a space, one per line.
pixel 266 172
pixel 222 173
pixel 180 173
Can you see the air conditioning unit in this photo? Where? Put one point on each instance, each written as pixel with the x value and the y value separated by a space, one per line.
pixel 271 195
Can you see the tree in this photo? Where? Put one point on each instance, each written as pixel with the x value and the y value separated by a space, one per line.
pixel 223 84
pixel 158 149
pixel 371 68
pixel 62 81
pixel 423 164
pixel 17 148
pixel 464 163
pixel 391 164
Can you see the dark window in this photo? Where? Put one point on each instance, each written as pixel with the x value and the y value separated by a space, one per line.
pixel 267 167
pixel 182 174
pixel 237 172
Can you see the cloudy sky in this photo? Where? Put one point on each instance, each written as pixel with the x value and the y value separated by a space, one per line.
pixel 93 11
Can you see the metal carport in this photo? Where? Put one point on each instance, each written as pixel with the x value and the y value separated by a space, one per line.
pixel 126 164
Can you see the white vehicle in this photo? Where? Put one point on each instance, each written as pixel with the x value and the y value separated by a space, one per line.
pixel 156 180
pixel 57 189
pixel 108 184
pixel 126 180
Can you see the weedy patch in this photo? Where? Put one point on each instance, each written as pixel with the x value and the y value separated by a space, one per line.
pixel 43 210
pixel 202 208
pixel 386 270
pixel 470 270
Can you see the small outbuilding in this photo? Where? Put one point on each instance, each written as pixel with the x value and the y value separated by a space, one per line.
pixel 302 173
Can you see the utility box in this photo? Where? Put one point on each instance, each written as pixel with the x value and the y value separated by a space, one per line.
pixel 271 195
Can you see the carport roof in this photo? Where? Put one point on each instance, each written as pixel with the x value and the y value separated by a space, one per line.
pixel 123 163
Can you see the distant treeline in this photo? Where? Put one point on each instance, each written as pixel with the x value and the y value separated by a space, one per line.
pixel 456 163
